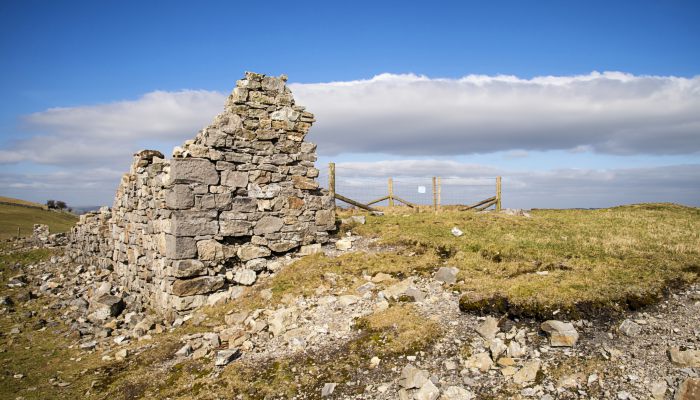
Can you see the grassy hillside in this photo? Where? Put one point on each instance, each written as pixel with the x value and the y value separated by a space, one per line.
pixel 12 217
pixel 21 202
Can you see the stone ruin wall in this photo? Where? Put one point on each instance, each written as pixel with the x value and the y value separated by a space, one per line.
pixel 221 211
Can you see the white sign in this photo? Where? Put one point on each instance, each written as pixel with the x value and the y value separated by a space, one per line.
pixel 421 189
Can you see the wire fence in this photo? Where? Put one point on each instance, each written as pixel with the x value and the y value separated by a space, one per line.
pixel 398 189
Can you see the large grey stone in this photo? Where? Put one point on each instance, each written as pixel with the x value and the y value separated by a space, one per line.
pixel 179 197
pixel 194 223
pixel 106 306
pixel 250 251
pixel 210 250
pixel 235 179
pixel 325 219
pixel 193 170
pixel 268 224
pixel 235 227
pixel 201 285
pixel 188 268
pixel 177 248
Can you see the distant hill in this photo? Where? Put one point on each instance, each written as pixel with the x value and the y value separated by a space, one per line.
pixel 16 213
pixel 19 202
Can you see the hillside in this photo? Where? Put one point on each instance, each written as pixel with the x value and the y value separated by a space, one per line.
pixel 24 214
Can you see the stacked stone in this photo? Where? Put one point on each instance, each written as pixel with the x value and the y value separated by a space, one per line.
pixel 231 201
pixel 90 239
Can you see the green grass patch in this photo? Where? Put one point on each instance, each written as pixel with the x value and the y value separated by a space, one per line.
pixel 24 218
pixel 590 261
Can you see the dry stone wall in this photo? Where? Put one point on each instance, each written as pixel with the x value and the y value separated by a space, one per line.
pixel 230 202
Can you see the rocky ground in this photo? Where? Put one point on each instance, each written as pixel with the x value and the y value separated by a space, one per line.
pixel 651 354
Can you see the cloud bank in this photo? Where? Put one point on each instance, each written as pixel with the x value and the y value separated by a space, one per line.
pixel 407 116
pixel 610 112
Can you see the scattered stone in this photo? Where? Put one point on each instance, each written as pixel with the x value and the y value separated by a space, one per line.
pixel 480 361
pixel 184 351
pixel 456 393
pixel 245 277
pixel 447 275
pixel 689 389
pixel 630 328
pixel 561 334
pixel 344 244
pixel 328 389
pixel 527 373
pixel 685 358
pixel 224 357
pixel 412 377
pixel 457 232
pixel 121 355
pixel 427 392
pixel 106 306
pixel 658 390
pixel 488 329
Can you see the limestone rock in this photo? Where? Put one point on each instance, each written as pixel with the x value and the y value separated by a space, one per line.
pixel 188 268
pixel 689 389
pixel 481 361
pixel 456 393
pixel 561 334
pixel 412 377
pixel 250 251
pixel 200 285
pixel 328 389
pixel 245 277
pixel 106 306
pixel 224 357
pixel 193 170
pixel 684 358
pixel 527 373
pixel 427 392
pixel 630 328
pixel 344 244
pixel 488 329
pixel 447 275
pixel 268 224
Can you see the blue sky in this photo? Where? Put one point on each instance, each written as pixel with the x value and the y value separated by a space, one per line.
pixel 77 55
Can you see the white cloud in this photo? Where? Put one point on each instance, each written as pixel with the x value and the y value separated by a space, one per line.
pixel 608 112
pixel 404 115
pixel 109 133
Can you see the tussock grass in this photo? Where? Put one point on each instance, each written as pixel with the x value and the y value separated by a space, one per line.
pixel 596 261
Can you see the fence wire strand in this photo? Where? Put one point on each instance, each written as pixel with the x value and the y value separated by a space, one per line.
pixel 451 191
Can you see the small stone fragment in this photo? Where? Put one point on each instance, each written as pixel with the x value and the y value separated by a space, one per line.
pixel 527 373
pixel 457 232
pixel 328 389
pixel 447 275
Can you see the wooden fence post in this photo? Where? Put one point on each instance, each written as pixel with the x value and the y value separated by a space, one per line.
pixel 391 192
pixel 331 181
pixel 435 194
pixel 498 193
pixel 439 193
pixel 18 233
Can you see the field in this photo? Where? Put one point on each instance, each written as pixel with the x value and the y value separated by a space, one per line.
pixel 12 217
pixel 597 264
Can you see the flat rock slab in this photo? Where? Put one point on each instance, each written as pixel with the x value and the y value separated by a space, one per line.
pixel 201 285
pixel 561 334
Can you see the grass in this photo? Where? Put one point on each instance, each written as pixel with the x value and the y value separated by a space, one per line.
pixel 12 217
pixel 589 261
